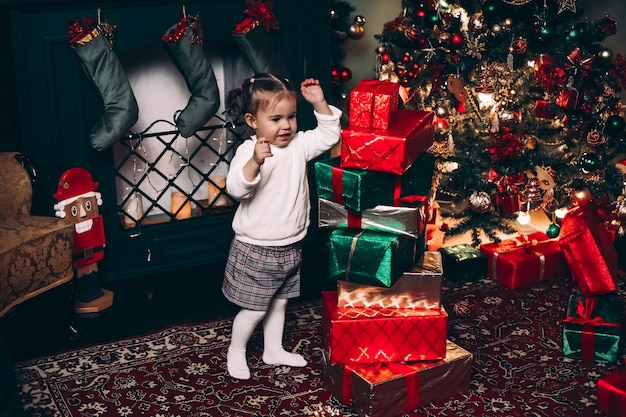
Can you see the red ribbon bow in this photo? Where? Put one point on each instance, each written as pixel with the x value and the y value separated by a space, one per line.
pixel 576 62
pixel 259 13
pixel 506 183
pixel 584 312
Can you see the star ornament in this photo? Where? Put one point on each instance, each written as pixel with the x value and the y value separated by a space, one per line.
pixel 567 5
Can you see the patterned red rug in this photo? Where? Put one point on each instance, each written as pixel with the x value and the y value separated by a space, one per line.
pixel 515 336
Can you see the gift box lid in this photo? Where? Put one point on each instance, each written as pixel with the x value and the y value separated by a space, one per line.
pixel 461 252
pixel 405 218
pixel 604 312
pixel 359 189
pixel 371 257
pixel 337 313
pixel 392 150
pixel 375 374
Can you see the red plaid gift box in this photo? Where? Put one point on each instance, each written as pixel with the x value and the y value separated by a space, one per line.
pixel 393 150
pixel 525 260
pixel 364 335
pixel 373 104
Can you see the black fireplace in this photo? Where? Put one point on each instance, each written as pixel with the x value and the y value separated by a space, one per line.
pixel 141 177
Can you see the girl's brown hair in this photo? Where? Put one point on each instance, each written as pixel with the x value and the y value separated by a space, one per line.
pixel 260 90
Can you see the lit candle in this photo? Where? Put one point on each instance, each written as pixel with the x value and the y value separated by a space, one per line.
pixel 216 199
pixel 133 210
pixel 180 200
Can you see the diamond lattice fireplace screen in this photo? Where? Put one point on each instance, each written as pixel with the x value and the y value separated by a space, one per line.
pixel 162 176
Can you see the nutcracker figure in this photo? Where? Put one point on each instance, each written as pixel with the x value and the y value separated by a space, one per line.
pixel 78 201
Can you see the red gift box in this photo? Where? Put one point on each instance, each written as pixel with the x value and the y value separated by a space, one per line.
pixel 588 249
pixel 506 203
pixel 370 335
pixel 569 98
pixel 525 260
pixel 373 104
pixel 391 389
pixel 393 150
pixel 544 110
pixel 612 394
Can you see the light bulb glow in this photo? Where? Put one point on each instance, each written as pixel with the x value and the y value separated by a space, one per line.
pixel 486 99
pixel 560 212
pixel 523 218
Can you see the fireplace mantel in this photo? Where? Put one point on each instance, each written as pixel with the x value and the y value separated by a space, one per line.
pixel 58 106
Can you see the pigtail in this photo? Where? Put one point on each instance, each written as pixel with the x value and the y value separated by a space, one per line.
pixel 234 103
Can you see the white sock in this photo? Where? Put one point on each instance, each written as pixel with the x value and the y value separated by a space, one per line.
pixel 243 325
pixel 273 327
pixel 236 364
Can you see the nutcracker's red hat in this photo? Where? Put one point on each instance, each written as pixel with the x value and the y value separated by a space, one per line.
pixel 73 183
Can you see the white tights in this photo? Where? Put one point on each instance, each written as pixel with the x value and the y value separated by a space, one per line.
pixel 273 352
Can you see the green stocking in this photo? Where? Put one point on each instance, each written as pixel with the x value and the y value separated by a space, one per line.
pixel 262 50
pixel 256 36
pixel 183 43
pixel 104 69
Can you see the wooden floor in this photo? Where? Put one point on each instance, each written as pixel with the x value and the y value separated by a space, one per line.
pixel 141 305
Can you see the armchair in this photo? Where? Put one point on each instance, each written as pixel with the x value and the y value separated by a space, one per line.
pixel 35 251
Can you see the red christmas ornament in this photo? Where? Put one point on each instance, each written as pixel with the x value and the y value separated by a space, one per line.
pixel 384 57
pixel 456 40
pixel 334 75
pixel 345 75
pixel 411 33
pixel 520 46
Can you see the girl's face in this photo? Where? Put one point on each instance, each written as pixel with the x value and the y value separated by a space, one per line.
pixel 276 122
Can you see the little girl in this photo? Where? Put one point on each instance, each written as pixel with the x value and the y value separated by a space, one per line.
pixel 268 176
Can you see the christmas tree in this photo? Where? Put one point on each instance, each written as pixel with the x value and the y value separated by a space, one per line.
pixel 527 105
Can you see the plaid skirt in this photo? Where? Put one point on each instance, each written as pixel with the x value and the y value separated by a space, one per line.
pixel 255 274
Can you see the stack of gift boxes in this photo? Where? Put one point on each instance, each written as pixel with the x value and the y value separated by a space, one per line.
pixel 592 328
pixel 583 251
pixel 386 346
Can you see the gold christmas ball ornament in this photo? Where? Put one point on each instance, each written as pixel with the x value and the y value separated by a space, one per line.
pixel 479 202
pixel 359 20
pixel 356 31
pixel 581 197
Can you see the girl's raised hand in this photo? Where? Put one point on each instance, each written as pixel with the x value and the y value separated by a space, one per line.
pixel 312 91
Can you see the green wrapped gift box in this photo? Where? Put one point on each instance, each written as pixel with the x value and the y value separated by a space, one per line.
pixel 463 262
pixel 371 257
pixel 360 189
pixel 592 328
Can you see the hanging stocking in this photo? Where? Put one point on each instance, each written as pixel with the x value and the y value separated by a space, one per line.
pixel 93 43
pixel 183 42
pixel 257 42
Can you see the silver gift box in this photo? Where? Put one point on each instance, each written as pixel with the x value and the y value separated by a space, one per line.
pixel 406 220
pixel 419 288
